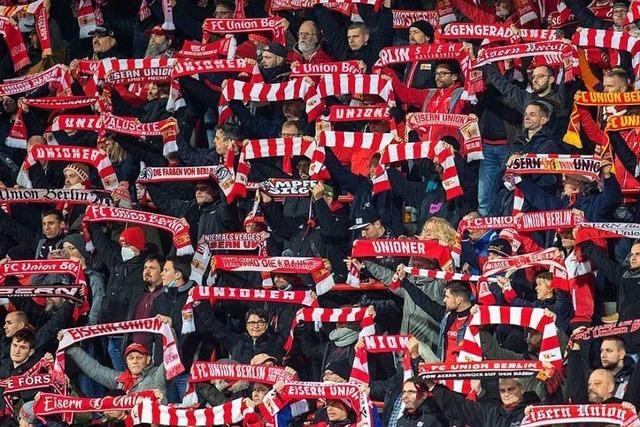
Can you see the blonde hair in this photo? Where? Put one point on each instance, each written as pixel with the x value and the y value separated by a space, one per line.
pixel 445 234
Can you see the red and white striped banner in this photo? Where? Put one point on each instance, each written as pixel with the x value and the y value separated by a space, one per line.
pixel 380 344
pixel 405 18
pixel 151 412
pixel 246 25
pixel 145 70
pixel 57 74
pixel 606 414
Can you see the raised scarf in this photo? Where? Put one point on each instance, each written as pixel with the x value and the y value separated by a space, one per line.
pixel 603 413
pixel 15 43
pixel 107 122
pixel 287 265
pixel 619 328
pixel 403 19
pixel 467 125
pixel 246 25
pixel 380 344
pixel 544 258
pixel 607 230
pixel 68 292
pixel 124 71
pixel 281 188
pixel 38 9
pixel 179 231
pixel 55 74
pixel 526 222
pixel 18 135
pixel 494 33
pixel 443 275
pixel 150 411
pixel 260 92
pixel 56 195
pixel 192 67
pixel 221 173
pixel 348 84
pixel 556 164
pixel 345 8
pixel 195 50
pixel 439 151
pixel 170 357
pixel 446 11
pixel 209 371
pixel 322 68
pixel 62 153
pixel 480 370
pixel 86 18
pixel 340 315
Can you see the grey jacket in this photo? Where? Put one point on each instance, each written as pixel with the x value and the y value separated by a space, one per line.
pixel 415 321
pixel 151 378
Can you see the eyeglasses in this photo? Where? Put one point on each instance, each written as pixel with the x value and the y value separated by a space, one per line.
pixel 221 13
pixel 442 73
pixel 257 323
pixel 307 34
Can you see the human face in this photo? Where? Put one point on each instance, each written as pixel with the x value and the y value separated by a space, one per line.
pixel 634 256
pixel 451 302
pixel 410 397
pixel 600 386
pixel 308 37
pixel 416 36
pixel 169 274
pixel 137 362
pixel 152 92
pixel 293 110
pixel 51 226
pixel 222 12
pixel 52 303
pixel 571 185
pixel 258 393
pixel 281 282
pixel 444 78
pixel 256 326
pixel 543 289
pixel 372 231
pixel 20 351
pixel 533 118
pixel 541 80
pixel 303 168
pixel 534 339
pixel 289 131
pixel 614 83
pixel 357 38
pixel 618 14
pixel 102 43
pixel 269 60
pixel 429 231
pixel 220 142
pixel 379 126
pixel 504 8
pixel 476 235
pixel 611 354
pixel 71 178
pixel 511 392
pixel 70 251
pixel 336 411
pixel 12 325
pixel 567 239
pixel 203 194
pixel 151 273
pixel 253 227
pixel 157 45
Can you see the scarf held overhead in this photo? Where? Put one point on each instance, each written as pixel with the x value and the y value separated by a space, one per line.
pixel 150 411
pixel 608 413
pixel 380 344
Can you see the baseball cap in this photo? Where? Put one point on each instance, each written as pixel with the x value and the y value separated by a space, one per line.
pixel 366 217
pixel 137 347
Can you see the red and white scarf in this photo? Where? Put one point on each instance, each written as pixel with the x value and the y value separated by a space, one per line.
pixel 349 84
pixel 171 358
pixel 344 6
pixel 68 292
pixel 86 18
pixel 440 151
pixel 150 411
pixel 18 135
pixel 287 265
pixel 494 33
pixel 281 188
pixel 403 19
pixel 603 413
pixel 570 164
pixel 260 92
pixel 178 230
pixel 347 113
pixel 467 125
pixel 56 195
pixel 195 50
pixel 43 266
pixel 545 258
pixel 189 174
pixel 341 315
pixel 15 43
pixel 607 230
pixel 200 66
pixel 56 74
pixel 63 153
pixel 480 370
pixel 245 25
pixel 614 41
pixel 527 222
pixel 145 70
pixel 443 275
pixel 322 68
pixel 209 371
pixel 214 293
pixel 619 328
pixel 380 344
pixel 41 14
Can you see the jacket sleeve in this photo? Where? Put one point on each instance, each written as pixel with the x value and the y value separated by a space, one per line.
pixel 473 12
pixel 18 232
pixel 255 125
pixel 577 373
pixel 512 94
pixel 539 198
pixel 624 153
pixel 60 319
pixel 422 300
pixel 166 203
pixel 633 387
pixel 585 16
pixel 412 193
pixel 335 36
pixel 189 155
pixel 456 406
pixel 381 26
pixel 92 369
pixel 612 271
pixel 106 249
pixel 408 95
pixel 347 180
pixel 331 225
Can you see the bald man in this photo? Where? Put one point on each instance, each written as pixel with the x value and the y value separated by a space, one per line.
pixel 601 385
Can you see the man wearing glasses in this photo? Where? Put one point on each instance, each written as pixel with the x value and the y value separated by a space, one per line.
pixel 587 18
pixel 309 45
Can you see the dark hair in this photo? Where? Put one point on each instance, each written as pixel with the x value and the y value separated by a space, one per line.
pixel 358 26
pixel 182 264
pixel 230 131
pixel 25 335
pixel 549 68
pixel 545 108
pixel 545 275
pixel 156 257
pixel 621 342
pixel 459 289
pixel 421 386
pixel 451 65
pixel 257 312
pixel 229 4
pixel 55 212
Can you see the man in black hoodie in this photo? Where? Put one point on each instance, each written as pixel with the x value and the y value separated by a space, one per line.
pixel 52 229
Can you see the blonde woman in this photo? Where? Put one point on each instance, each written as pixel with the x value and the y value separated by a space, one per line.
pixel 439 229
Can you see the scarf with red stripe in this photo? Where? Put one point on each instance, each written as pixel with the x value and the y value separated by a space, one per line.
pixel 86 18
pixel 106 122
pixel 151 412
pixel 544 258
pixel 349 84
pixel 555 164
pixel 403 19
pixel 15 43
pixel 340 315
pixel 56 74
pixel 18 135
pixel 622 327
pixel 380 344
pixel 286 265
pixel 245 25
pixel 200 66
pixel 346 8
pixel 443 275
pixel 467 126
pixel 39 10
pixel 260 92
pixel 495 33
pixel 214 293
pixel 322 68
pixel 61 153
pixel 346 113
pixel 171 358
pixel 179 231
pixel 195 50
pixel 604 413
pixel 125 71
pixel 607 230
pixel 527 222
pixel 440 151
pixel 480 370
pixel 446 11
pixel 190 174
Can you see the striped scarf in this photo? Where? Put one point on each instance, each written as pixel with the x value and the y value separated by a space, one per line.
pixel 380 344
pixel 150 411
pixel 494 33
pixel 56 74
pixel 15 43
pixel 607 413
pixel 245 25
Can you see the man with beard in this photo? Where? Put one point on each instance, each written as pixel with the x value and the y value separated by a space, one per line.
pixel 309 46
pixel 159 43
pixel 273 66
pixel 420 74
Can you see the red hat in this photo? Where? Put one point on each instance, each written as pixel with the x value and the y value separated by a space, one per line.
pixel 133 236
pixel 158 31
pixel 137 347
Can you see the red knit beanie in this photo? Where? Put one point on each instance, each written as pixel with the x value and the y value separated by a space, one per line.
pixel 133 236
